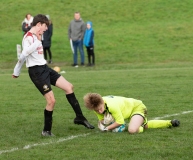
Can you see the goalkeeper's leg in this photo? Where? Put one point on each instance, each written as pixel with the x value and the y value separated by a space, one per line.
pixel 135 124
pixel 162 123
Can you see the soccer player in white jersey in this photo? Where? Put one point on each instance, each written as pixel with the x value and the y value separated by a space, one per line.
pixel 121 109
pixel 43 77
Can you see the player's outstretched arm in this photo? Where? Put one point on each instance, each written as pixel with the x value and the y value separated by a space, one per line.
pixel 18 66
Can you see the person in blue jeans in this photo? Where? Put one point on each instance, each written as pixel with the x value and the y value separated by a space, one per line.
pixel 76 31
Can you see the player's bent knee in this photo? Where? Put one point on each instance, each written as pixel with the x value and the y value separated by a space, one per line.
pixel 51 102
pixel 133 130
pixel 69 88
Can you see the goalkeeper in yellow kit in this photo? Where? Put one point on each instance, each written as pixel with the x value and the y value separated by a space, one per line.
pixel 121 109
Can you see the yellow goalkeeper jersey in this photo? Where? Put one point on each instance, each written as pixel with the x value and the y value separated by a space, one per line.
pixel 121 108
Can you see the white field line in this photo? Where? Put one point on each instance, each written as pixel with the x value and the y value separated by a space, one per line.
pixel 6 151
pixel 43 144
pixel 176 114
pixel 77 136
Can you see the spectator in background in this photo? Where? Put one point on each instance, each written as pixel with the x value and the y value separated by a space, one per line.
pixel 76 31
pixel 46 40
pixel 27 23
pixel 89 43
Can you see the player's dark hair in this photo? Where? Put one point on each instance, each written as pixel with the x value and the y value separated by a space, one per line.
pixel 40 18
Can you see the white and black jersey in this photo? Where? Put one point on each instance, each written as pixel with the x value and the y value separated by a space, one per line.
pixel 32 53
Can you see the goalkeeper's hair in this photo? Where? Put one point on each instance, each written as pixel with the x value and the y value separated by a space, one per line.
pixel 92 100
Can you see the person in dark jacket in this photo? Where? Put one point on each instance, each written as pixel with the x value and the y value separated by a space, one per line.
pixel 46 40
pixel 27 23
pixel 89 43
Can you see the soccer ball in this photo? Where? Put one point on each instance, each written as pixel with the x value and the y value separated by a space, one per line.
pixel 57 69
pixel 108 119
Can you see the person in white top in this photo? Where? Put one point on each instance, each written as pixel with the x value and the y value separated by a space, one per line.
pixel 43 77
pixel 27 23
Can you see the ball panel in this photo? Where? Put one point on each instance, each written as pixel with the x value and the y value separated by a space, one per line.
pixel 108 118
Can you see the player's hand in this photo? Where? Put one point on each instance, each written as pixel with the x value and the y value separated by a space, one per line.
pixel 13 76
pixel 105 129
pixel 102 127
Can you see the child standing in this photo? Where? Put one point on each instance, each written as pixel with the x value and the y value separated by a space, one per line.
pixel 89 43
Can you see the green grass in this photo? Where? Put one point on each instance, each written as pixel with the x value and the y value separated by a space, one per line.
pixel 143 50
pixel 149 31
pixel 165 91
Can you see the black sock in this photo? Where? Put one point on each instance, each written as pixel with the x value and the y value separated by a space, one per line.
pixel 75 105
pixel 47 120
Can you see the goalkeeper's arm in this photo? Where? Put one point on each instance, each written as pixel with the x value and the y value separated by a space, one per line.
pixel 113 126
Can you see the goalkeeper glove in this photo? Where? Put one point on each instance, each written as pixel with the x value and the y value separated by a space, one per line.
pixel 102 127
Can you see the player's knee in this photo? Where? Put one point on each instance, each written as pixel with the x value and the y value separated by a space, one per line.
pixel 133 130
pixel 69 88
pixel 52 102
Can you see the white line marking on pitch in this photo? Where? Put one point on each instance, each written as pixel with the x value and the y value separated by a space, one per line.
pixel 43 144
pixel 73 137
pixel 176 114
pixel 11 150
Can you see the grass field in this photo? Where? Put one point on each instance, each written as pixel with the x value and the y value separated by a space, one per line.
pixel 167 93
pixel 143 50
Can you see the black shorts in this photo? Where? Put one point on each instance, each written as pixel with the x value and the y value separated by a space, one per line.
pixel 43 77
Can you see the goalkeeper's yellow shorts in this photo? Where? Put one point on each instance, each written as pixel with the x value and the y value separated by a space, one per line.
pixel 142 111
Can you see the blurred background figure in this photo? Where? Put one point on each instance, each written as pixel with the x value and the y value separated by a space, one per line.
pixel 76 31
pixel 46 40
pixel 89 43
pixel 27 23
